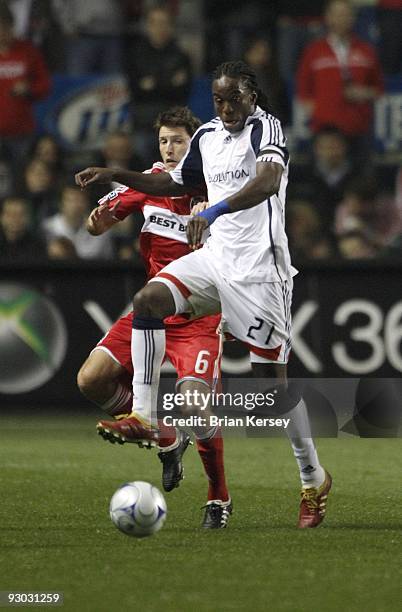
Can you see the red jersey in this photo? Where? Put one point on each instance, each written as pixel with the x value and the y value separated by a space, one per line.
pixel 22 62
pixel 321 79
pixel 163 235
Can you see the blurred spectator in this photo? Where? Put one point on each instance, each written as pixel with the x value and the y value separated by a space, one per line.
pixel 118 152
pixel 70 223
pixel 61 248
pixel 259 55
pixel 365 210
pixel 398 194
pixel 6 177
pixel 24 78
pixel 39 187
pixel 93 31
pixel 390 26
pixel 298 24
pixel 356 244
pixel 46 149
pixel 231 23
pixel 393 250
pixel 325 179
pixel 307 241
pixel 34 20
pixel 339 77
pixel 18 243
pixel 159 74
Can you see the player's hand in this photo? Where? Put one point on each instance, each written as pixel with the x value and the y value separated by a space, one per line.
pixel 101 219
pixel 199 207
pixel 93 175
pixel 195 228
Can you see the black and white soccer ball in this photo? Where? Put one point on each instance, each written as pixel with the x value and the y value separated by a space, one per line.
pixel 138 509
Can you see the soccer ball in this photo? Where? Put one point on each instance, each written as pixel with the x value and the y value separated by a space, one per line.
pixel 138 509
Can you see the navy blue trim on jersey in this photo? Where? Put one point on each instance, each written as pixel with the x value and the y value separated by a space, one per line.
pixel 191 170
pixel 271 238
pixel 149 356
pixel 256 135
pixel 283 152
pixel 147 323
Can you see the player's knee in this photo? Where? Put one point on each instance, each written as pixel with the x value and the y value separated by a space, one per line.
pixel 285 397
pixel 153 301
pixel 87 380
pixel 197 398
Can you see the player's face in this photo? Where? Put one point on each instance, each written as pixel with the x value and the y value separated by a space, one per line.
pixel 234 102
pixel 173 143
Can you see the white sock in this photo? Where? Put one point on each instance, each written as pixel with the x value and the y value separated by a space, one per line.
pixel 312 474
pixel 147 352
pixel 118 401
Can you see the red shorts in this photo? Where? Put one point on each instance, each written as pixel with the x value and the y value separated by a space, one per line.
pixel 193 348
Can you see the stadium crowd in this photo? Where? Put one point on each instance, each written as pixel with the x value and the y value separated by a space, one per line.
pixel 343 203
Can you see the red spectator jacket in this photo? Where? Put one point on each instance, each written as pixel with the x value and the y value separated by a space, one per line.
pixel 320 80
pixel 390 4
pixel 22 62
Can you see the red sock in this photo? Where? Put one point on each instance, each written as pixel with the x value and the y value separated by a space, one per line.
pixel 211 453
pixel 167 434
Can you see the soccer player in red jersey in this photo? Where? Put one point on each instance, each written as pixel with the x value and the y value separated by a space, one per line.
pixel 194 347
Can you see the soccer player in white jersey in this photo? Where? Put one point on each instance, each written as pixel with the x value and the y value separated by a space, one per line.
pixel 244 267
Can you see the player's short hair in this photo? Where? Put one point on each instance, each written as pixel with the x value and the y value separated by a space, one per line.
pixel 241 70
pixel 178 116
pixel 6 16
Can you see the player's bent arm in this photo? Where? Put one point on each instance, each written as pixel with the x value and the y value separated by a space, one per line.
pixel 160 184
pixel 262 187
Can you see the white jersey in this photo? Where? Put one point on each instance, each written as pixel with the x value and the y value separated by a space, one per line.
pixel 249 245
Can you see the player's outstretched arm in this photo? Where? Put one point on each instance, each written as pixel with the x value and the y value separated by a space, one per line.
pixel 152 184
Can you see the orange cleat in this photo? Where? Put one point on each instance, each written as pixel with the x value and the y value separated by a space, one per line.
pixel 313 504
pixel 130 429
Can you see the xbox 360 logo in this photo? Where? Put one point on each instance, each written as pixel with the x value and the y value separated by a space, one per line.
pixel 33 339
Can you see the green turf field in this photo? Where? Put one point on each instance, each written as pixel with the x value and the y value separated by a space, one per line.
pixel 56 480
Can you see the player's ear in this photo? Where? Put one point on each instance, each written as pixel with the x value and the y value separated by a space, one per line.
pixel 254 97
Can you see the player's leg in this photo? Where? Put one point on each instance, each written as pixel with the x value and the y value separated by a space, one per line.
pixel 101 380
pixel 315 481
pixel 105 376
pixel 259 315
pixel 196 351
pixel 210 448
pixel 154 303
pixel 164 295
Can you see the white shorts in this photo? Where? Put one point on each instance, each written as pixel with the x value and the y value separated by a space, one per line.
pixel 257 314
